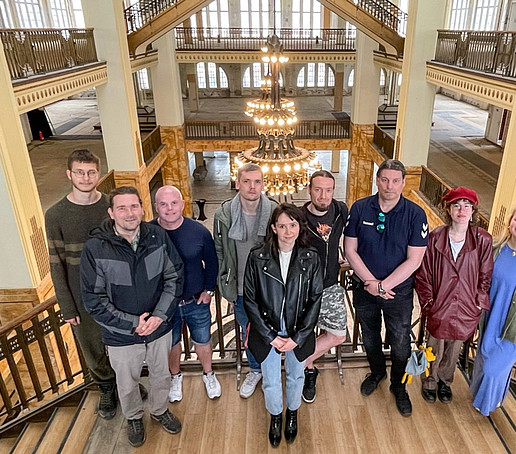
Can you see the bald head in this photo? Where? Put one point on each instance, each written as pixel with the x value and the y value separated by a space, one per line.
pixel 169 205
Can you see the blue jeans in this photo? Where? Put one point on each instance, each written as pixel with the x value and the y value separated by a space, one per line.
pixel 242 320
pixel 198 319
pixel 271 381
pixel 397 314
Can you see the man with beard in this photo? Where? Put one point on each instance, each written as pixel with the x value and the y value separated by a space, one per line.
pixel 240 224
pixel 326 219
pixel 68 224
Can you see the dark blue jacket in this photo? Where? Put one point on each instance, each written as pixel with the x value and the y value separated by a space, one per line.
pixel 118 284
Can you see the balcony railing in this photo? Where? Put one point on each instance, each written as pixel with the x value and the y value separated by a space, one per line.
pixel 383 141
pixel 252 39
pixel 151 145
pixel 489 52
pixel 387 13
pixel 40 51
pixel 306 129
pixel 142 12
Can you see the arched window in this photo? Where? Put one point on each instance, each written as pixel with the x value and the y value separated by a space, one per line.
pixel 301 78
pixel 315 75
pixel 399 79
pixel 307 14
pixel 259 71
pixel 208 76
pixel 351 78
pixel 382 78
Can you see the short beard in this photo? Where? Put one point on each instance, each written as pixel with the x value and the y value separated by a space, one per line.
pixel 321 208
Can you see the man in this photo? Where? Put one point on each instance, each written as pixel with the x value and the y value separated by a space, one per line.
pixel 131 281
pixel 195 245
pixel 240 224
pixel 386 239
pixel 326 220
pixel 68 224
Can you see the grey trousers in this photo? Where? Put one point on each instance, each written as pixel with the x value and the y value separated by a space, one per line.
pixel 128 361
pixel 446 355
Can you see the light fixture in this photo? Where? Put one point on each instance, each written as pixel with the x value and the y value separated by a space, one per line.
pixel 285 166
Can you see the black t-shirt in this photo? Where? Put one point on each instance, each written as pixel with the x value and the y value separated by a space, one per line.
pixel 322 224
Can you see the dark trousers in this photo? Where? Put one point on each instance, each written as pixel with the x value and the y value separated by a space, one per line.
pixel 397 314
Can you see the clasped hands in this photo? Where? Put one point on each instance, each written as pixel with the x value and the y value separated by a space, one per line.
pixel 283 344
pixel 147 326
pixel 372 286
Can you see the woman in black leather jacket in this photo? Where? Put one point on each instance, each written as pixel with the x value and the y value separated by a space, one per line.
pixel 282 297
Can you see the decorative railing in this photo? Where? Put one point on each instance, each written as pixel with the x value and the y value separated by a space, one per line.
pixel 31 347
pixel 434 188
pixel 383 142
pixel 387 13
pixel 151 145
pixel 490 52
pixel 141 13
pixel 40 51
pixel 107 183
pixel 254 38
pixel 306 129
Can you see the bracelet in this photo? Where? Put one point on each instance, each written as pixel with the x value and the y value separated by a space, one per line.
pixel 381 291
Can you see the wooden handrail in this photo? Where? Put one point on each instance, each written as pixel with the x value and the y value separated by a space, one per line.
pixel 27 316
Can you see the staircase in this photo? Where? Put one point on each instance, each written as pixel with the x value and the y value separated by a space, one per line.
pixel 62 428
pixel 148 20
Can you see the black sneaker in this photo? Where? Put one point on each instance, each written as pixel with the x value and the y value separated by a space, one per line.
pixel 309 386
pixel 135 432
pixel 169 422
pixel 107 403
pixel 429 395
pixel 444 392
pixel 370 383
pixel 402 401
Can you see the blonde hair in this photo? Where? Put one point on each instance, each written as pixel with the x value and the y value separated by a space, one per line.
pixel 505 236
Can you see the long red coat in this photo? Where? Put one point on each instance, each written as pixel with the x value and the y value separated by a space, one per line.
pixel 450 293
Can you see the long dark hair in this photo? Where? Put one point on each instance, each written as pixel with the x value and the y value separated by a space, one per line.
pixel 294 213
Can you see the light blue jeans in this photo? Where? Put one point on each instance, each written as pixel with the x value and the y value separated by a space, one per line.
pixel 271 381
pixel 243 320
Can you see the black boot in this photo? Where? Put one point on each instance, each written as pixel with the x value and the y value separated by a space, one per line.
pixel 275 430
pixel 290 425
pixel 107 403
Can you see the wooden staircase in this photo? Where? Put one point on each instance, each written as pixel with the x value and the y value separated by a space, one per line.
pixel 63 428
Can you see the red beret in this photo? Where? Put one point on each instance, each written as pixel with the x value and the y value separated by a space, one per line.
pixel 461 193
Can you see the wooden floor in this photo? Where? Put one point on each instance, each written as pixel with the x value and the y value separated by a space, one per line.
pixel 341 420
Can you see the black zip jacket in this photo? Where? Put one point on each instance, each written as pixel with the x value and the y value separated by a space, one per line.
pixel 329 251
pixel 118 284
pixel 266 298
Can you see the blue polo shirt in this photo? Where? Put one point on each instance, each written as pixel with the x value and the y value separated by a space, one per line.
pixel 382 252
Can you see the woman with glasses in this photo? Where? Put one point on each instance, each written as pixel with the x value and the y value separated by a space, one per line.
pixel 282 296
pixel 497 353
pixel 453 287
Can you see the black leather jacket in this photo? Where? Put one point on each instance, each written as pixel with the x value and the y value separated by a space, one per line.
pixel 266 297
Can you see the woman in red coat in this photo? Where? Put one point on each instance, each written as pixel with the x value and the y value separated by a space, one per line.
pixel 453 287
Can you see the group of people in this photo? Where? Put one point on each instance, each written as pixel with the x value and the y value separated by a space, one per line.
pixel 126 287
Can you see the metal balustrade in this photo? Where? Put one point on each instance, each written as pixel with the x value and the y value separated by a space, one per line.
pixel 252 39
pixel 383 141
pixel 386 12
pixel 40 51
pixel 141 13
pixel 490 52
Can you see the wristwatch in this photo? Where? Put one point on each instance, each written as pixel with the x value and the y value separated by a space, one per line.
pixel 381 291
pixel 210 292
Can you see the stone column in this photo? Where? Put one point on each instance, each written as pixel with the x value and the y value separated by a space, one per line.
pixel 417 95
pixel 193 93
pixel 338 92
pixel 24 269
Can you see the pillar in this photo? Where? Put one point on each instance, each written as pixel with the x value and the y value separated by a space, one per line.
pixel 193 93
pixel 338 92
pixel 417 95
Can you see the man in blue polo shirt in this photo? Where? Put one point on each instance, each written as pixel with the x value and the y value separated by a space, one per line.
pixel 385 241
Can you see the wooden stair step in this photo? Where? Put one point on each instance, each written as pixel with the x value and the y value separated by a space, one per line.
pixel 56 430
pixel 83 425
pixel 29 437
pixel 6 444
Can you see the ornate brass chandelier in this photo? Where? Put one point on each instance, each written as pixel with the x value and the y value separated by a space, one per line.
pixel 285 166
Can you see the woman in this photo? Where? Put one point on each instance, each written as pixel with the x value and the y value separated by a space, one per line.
pixel 497 353
pixel 282 296
pixel 453 284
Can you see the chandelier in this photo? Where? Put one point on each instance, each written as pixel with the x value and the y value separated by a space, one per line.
pixel 284 166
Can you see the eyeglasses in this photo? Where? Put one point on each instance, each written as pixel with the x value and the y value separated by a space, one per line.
pixel 458 206
pixel 82 173
pixel 381 227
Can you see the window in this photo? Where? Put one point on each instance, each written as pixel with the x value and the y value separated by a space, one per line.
pixel 254 16
pixel 313 74
pixel 5 16
pixel 485 15
pixel 30 14
pixel 351 78
pixel 459 14
pixel 306 14
pixel 143 79
pixel 211 75
pixel 214 16
pixel 259 70
pixel 59 14
pixel 382 78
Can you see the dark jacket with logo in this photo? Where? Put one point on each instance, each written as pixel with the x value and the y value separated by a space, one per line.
pixel 329 251
pixel 266 298
pixel 118 284
pixel 453 293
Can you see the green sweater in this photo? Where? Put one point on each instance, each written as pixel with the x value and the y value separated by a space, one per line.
pixel 68 227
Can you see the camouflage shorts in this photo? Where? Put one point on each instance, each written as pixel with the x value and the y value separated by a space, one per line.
pixel 333 316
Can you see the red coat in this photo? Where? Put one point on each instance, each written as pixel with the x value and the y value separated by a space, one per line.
pixel 449 292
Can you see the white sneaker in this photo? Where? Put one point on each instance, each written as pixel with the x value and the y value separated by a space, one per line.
pixel 251 380
pixel 212 385
pixel 176 388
